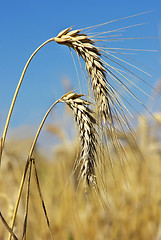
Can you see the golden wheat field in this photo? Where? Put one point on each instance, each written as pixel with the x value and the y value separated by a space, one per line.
pixel 124 208
pixel 104 181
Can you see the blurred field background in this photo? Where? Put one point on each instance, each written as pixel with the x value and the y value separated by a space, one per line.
pixel 128 205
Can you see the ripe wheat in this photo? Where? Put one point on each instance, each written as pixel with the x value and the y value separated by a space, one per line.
pixel 85 47
pixel 86 123
pixel 110 108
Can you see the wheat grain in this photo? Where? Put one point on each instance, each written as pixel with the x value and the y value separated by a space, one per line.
pixel 87 133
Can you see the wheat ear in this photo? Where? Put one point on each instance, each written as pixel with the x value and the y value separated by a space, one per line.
pixel 110 102
pixel 86 123
pixel 85 47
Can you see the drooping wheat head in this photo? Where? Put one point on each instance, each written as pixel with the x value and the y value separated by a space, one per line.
pixel 86 123
pixel 107 100
pixel 85 47
pixel 110 73
pixel 108 82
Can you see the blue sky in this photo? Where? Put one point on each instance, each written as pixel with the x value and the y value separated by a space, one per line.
pixel 24 25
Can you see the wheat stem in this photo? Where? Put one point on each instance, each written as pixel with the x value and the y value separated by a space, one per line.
pixel 41 197
pixel 39 129
pixel 27 201
pixel 18 198
pixel 16 93
pixel 7 226
pixel 27 165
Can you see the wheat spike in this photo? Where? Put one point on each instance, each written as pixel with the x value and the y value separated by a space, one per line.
pixel 109 99
pixel 85 121
pixel 85 47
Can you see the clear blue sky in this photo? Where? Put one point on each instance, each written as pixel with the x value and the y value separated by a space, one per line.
pixel 24 25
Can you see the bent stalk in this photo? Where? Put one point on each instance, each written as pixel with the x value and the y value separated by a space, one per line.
pixel 26 167
pixel 16 93
pixel 39 130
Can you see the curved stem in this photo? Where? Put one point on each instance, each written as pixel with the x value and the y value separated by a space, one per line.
pixel 27 165
pixel 16 93
pixel 39 130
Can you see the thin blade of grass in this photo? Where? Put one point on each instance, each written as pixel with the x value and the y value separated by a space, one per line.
pixel 7 226
pixel 27 201
pixel 18 198
pixel 42 200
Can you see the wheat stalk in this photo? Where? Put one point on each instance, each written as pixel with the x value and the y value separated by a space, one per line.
pixel 7 227
pixel 16 94
pixel 28 162
pixel 86 123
